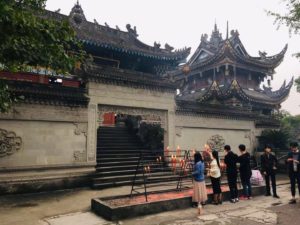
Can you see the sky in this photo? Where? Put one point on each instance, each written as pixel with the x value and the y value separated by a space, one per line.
pixel 180 23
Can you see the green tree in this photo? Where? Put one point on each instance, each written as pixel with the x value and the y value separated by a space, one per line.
pixel 291 125
pixel 30 38
pixel 297 82
pixel 277 138
pixel 292 20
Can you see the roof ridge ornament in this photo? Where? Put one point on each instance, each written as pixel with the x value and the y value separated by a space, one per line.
pixel 227 31
pixel 216 36
pixel 77 14
pixel 156 45
pixel 168 47
pixel 131 31
pixel 263 54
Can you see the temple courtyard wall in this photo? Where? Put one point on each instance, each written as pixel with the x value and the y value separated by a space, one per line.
pixel 45 148
pixel 55 146
pixel 193 131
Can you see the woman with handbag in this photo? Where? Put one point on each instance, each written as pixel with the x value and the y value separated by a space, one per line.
pixel 215 176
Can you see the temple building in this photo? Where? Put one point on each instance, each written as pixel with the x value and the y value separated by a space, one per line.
pixel 65 133
pixel 222 76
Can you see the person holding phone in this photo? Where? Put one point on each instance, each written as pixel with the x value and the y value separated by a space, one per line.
pixel 294 170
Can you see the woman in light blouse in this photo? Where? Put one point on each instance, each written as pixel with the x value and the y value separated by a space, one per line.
pixel 215 176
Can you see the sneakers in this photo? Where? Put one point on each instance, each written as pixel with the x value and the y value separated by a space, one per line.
pixel 249 197
pixel 292 201
pixel 232 201
pixel 237 200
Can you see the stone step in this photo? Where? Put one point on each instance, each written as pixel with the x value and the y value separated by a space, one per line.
pixel 112 128
pixel 118 139
pixel 115 131
pixel 100 168
pixel 120 154
pixel 124 163
pixel 127 172
pixel 119 147
pixel 123 151
pixel 121 159
pixel 131 177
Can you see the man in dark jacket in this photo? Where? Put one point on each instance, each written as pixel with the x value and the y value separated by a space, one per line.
pixel 294 169
pixel 245 171
pixel 231 160
pixel 268 168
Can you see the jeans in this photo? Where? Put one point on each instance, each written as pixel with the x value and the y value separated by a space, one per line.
pixel 273 180
pixel 247 189
pixel 232 183
pixel 293 177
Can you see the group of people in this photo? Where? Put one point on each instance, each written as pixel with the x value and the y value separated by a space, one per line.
pixel 232 160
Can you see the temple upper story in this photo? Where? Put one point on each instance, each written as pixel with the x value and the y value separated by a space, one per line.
pixel 222 72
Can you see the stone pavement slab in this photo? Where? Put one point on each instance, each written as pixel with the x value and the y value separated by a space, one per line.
pixel 71 207
pixel 79 218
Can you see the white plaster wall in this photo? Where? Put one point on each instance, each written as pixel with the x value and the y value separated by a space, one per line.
pixel 193 131
pixel 43 144
pixel 51 136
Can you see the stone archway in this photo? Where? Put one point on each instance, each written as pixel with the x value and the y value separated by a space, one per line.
pixel 151 116
pixel 148 115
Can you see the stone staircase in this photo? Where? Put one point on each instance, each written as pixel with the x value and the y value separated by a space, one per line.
pixel 118 152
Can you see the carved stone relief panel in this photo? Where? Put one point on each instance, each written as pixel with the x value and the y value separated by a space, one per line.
pixel 81 155
pixel 92 132
pixel 216 142
pixel 178 131
pixel 9 143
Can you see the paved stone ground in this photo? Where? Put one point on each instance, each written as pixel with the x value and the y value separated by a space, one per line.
pixel 72 208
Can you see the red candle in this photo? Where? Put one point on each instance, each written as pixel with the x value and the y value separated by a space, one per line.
pixel 178 153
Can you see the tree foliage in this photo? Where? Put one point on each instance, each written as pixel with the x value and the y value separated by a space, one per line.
pixel 297 81
pixel 291 125
pixel 6 99
pixel 292 20
pixel 29 38
pixel 278 138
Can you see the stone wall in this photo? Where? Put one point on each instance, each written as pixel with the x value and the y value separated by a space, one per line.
pixel 49 135
pixel 43 142
pixel 193 131
pixel 152 104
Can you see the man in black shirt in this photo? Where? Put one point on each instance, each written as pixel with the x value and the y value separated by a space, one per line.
pixel 245 171
pixel 294 169
pixel 268 168
pixel 230 160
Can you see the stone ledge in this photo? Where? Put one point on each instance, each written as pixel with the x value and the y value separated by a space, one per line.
pixel 103 208
pixel 37 181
